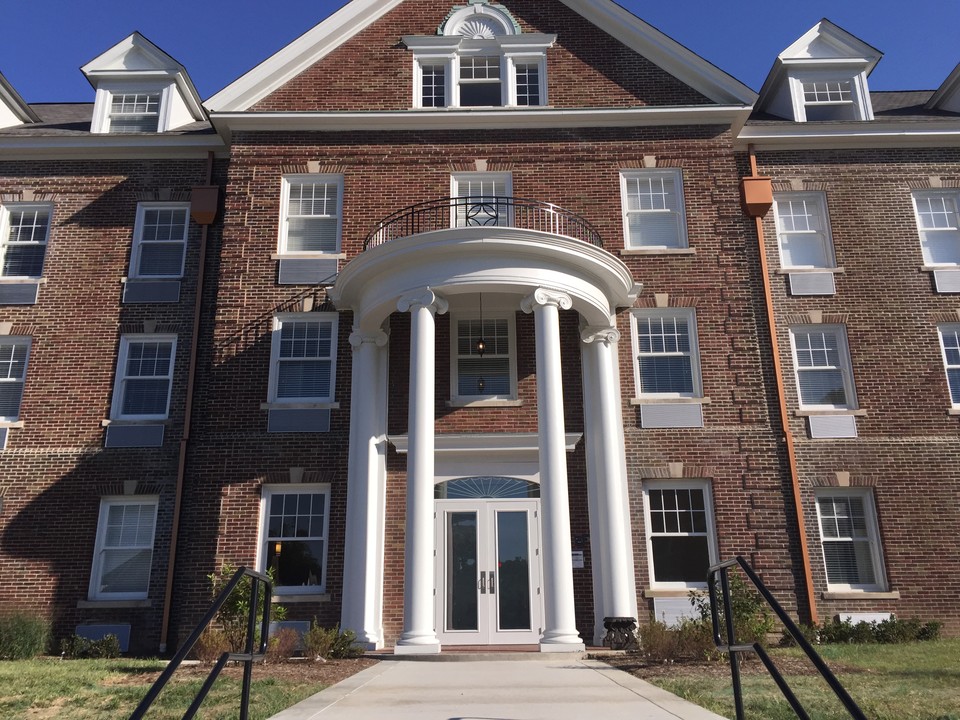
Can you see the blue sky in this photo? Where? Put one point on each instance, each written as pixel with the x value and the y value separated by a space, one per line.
pixel 46 41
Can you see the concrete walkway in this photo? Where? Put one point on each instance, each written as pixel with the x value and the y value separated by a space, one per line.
pixel 538 688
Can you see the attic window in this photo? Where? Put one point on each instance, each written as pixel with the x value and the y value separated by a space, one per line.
pixel 134 112
pixel 830 100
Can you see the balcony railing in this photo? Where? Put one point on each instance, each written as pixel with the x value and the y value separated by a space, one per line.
pixel 484 211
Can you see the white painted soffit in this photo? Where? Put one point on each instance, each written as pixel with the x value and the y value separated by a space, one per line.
pixel 338 28
pixel 824 43
pixel 11 98
pixel 117 147
pixel 874 134
pixel 732 115
pixel 136 58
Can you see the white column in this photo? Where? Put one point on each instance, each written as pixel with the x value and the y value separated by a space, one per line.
pixel 361 561
pixel 419 634
pixel 560 627
pixel 602 406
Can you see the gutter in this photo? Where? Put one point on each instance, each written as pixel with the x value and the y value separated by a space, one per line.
pixel 203 210
pixel 757 196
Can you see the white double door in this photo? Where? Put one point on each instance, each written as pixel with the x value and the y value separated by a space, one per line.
pixel 488 572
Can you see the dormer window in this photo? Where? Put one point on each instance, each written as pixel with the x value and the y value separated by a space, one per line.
pixel 479 59
pixel 830 100
pixel 134 112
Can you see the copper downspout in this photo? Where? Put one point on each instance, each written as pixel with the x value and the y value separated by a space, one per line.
pixel 203 210
pixel 781 396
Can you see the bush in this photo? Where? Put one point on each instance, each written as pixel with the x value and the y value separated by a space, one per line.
pixel 688 640
pixel 23 636
pixel 658 643
pixel 752 620
pixel 282 646
pixel 211 644
pixel 233 616
pixel 326 643
pixel 77 647
pixel 892 631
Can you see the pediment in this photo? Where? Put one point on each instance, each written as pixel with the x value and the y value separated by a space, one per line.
pixel 13 109
pixel 828 41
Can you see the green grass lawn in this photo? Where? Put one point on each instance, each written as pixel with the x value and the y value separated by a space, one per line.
pixel 102 689
pixel 914 681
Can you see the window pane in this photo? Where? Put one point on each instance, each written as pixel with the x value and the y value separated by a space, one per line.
pixel 303 379
pixel 433 92
pixel 312 235
pixel 480 94
pixel 822 387
pixel 313 199
pixel 164 224
pixel 849 563
pixel 495 373
pixel 802 251
pixel 125 571
pixel 680 559
pixel 164 259
pixel 145 396
pixel 528 84
pixel 666 374
pixel 11 394
pixel 299 562
pixel 23 261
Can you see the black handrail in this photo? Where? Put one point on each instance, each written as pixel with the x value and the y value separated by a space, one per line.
pixel 482 210
pixel 247 657
pixel 733 649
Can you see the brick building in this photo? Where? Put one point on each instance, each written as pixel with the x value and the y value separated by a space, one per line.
pixel 453 316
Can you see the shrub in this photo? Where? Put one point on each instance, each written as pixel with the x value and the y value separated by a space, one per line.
pixel 211 644
pixel 695 640
pixel 23 636
pixel 233 615
pixel 327 643
pixel 687 640
pixel 282 645
pixel 752 620
pixel 658 643
pixel 77 647
pixel 891 631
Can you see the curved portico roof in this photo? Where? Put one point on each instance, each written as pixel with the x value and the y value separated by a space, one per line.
pixel 484 259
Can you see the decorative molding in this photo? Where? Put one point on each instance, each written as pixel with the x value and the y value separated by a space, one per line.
pixel 816 317
pixel 946 317
pixel 782 186
pixel 131 487
pixel 425 298
pixel 597 333
pixel 163 195
pixel 542 297
pixel 294 168
pixel 664 300
pixel 28 195
pixel 844 479
pixel 298 476
pixel 815 186
pixel 675 471
pixel 149 327
pixel 315 167
pixel 358 338
pixel 17 329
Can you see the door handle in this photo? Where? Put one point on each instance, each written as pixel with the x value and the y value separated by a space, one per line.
pixel 493 585
pixel 483 582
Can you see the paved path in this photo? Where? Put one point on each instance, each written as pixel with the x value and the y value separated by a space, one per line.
pixel 553 688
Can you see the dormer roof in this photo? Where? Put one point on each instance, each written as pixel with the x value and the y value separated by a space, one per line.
pixel 136 59
pixel 13 110
pixel 947 96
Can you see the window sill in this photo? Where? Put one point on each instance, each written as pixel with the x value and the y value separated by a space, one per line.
pixel 22 280
pixel 817 413
pixel 937 268
pixel 670 401
pixel 113 604
pixel 301 598
pixel 953 411
pixel 308 256
pixel 658 251
pixel 651 593
pixel 792 271
pixel 300 406
pixel 151 278
pixel 861 595
pixel 11 423
pixel 128 421
pixel 458 403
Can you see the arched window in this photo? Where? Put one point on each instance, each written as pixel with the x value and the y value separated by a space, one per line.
pixel 485 486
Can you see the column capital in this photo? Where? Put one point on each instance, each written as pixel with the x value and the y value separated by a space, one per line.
pixel 600 334
pixel 424 297
pixel 378 337
pixel 545 296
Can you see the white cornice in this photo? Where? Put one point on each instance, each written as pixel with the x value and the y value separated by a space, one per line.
pixel 851 135
pixel 500 119
pixel 112 147
pixel 11 98
pixel 321 40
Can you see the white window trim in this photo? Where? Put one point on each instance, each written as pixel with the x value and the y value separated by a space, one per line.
pixel 5 210
pixel 948 327
pixel 334 178
pixel 914 196
pixel 691 316
pixel 511 318
pixel 17 340
pixel 138 238
pixel 278 321
pixel 699 484
pixel 820 198
pixel 873 533
pixel 104 100
pixel 268 491
pixel 860 93
pixel 846 366
pixel 118 387
pixel 97 566
pixel 494 177
pixel 681 212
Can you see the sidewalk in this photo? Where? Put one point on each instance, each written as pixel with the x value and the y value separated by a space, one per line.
pixel 538 688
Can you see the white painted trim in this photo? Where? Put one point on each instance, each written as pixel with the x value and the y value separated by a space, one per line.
pixel 319 317
pixel 820 199
pixel 97 566
pixel 850 134
pixel 873 536
pixel 690 314
pixel 519 443
pixel 112 147
pixel 116 408
pixel 268 491
pixel 138 240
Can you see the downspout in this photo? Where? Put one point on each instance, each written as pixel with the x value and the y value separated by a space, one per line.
pixel 203 210
pixel 757 196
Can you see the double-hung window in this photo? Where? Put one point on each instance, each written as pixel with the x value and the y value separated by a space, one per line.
pixel 803 231
pixel 822 364
pixel 653 209
pixel 492 374
pixel 134 112
pixel 938 226
pixel 830 100
pixel 303 358
pixel 293 536
pixel 160 240
pixel 24 231
pixel 311 214
pixel 667 360
pixel 124 548
pixel 849 539
pixel 681 542
pixel 14 353
pixel 144 377
pixel 481 198
pixel 950 347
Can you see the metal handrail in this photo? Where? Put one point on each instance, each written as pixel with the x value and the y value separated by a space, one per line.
pixel 731 647
pixel 247 657
pixel 482 210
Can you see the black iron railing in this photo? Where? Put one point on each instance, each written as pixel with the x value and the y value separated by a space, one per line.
pixel 247 657
pixel 725 640
pixel 486 211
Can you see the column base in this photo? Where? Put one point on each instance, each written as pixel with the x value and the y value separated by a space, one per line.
pixel 420 649
pixel 572 647
pixel 559 641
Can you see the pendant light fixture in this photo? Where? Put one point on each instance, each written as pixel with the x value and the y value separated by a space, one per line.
pixel 480 346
